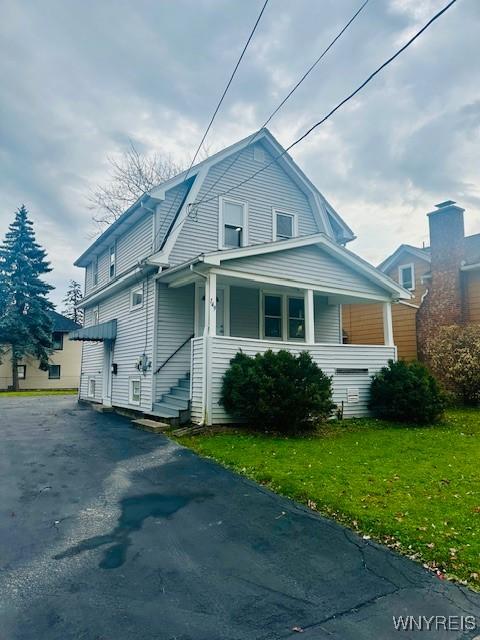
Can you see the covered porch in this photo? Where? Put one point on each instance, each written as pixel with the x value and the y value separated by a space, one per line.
pixel 248 306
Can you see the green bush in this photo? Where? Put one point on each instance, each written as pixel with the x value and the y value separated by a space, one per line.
pixel 406 392
pixel 277 391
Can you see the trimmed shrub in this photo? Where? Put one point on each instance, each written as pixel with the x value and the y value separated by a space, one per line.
pixel 277 391
pixel 406 392
pixel 454 356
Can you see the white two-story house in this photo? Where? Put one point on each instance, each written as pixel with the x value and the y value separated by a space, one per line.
pixel 245 254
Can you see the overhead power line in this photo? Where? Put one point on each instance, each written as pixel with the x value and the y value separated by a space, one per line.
pixel 340 104
pixel 219 104
pixel 280 105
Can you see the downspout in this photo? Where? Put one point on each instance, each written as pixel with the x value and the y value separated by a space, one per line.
pixel 205 353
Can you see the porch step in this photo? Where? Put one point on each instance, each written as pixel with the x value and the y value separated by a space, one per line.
pixel 180 392
pixel 174 401
pixel 175 404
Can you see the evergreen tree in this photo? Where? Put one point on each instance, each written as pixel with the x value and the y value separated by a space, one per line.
pixel 25 324
pixel 72 298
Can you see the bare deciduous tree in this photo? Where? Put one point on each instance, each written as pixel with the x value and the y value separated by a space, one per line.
pixel 130 177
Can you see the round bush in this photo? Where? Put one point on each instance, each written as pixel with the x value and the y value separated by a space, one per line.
pixel 277 391
pixel 406 392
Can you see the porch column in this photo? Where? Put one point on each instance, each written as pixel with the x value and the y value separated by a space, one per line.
pixel 211 304
pixel 387 324
pixel 309 317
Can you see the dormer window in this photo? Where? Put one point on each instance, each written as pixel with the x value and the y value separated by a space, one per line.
pixel 406 276
pixel 113 253
pixel 284 225
pixel 233 231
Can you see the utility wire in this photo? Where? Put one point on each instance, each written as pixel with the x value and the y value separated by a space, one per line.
pixel 344 101
pixel 232 75
pixel 277 109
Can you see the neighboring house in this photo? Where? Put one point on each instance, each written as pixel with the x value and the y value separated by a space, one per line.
pixel 198 269
pixel 64 363
pixel 444 280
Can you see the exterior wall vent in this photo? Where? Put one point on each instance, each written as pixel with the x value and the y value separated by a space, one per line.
pixel 351 372
pixel 353 396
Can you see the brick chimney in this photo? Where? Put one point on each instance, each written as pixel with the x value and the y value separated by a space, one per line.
pixel 443 303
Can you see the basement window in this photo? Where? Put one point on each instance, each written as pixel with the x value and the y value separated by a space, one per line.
pixel 91 388
pixel 135 391
pixel 406 276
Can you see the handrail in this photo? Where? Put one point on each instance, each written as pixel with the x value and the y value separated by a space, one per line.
pixel 174 353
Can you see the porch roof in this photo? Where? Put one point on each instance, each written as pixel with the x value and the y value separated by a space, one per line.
pixel 217 260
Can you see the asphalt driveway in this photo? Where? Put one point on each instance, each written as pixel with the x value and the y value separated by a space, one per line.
pixel 111 533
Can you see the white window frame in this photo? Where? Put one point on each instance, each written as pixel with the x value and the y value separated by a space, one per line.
pixel 274 223
pixel 131 399
pixel 59 377
pixel 138 289
pixel 96 312
pixel 285 297
pixel 221 226
pixel 24 374
pixel 114 254
pixel 91 379
pixel 401 267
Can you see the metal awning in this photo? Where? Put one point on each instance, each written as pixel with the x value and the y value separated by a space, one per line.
pixel 96 333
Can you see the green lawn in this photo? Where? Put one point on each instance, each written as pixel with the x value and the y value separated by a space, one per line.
pixel 39 392
pixel 415 489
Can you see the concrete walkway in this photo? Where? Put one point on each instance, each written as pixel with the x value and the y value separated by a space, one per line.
pixel 110 533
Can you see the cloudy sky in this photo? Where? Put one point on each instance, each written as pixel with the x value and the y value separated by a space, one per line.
pixel 78 80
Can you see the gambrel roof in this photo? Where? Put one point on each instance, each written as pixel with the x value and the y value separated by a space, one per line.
pixel 325 214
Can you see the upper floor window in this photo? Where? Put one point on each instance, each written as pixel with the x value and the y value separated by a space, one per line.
pixel 57 340
pixel 95 315
pixel 233 224
pixel 95 272
pixel 284 225
pixel 113 253
pixel 406 276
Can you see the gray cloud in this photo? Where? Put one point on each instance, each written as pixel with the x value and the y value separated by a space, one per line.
pixel 78 80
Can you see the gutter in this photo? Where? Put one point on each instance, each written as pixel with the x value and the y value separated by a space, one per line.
pixel 470 267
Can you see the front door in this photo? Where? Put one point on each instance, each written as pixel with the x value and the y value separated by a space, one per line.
pixel 220 311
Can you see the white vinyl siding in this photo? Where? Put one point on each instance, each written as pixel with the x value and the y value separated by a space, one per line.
pixel 175 324
pixel 361 361
pixel 273 188
pixel 134 335
pixel 135 244
pixel 309 265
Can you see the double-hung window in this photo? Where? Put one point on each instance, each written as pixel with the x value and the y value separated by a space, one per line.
pixel 22 371
pixel 233 231
pixel 296 319
pixel 406 276
pixel 283 317
pixel 284 225
pixel 272 320
pixel 113 254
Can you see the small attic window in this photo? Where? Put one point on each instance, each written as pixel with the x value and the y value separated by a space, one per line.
pixel 406 276
pixel 259 153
